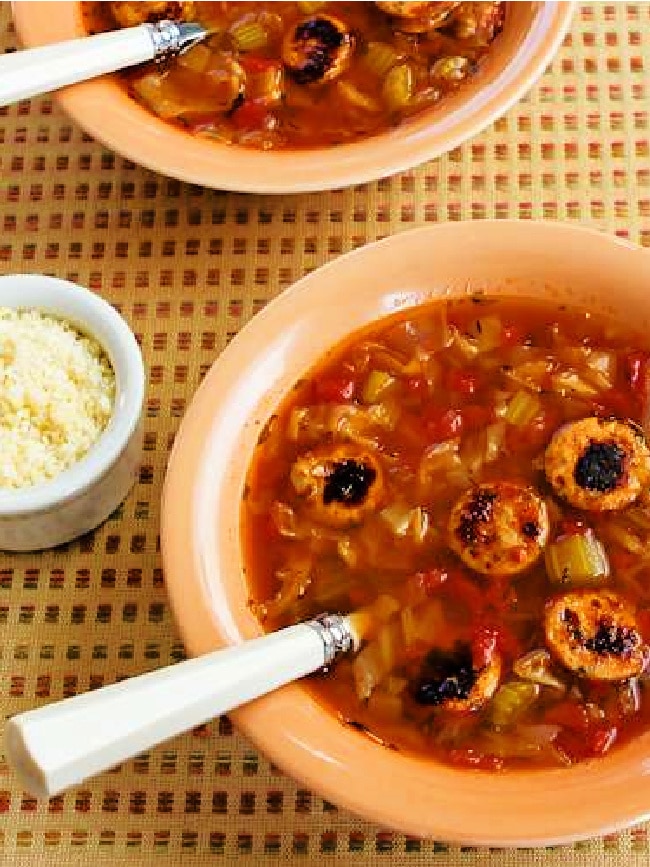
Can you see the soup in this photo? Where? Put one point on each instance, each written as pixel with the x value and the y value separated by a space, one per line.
pixel 293 75
pixel 471 477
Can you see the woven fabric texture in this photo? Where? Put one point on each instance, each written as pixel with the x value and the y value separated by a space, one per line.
pixel 188 267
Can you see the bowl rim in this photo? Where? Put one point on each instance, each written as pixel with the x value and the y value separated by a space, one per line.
pixel 95 317
pixel 148 141
pixel 269 722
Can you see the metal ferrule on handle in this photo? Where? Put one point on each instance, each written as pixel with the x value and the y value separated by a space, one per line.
pixel 58 746
pixel 24 74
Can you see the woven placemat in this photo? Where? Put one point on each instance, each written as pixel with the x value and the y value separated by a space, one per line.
pixel 188 267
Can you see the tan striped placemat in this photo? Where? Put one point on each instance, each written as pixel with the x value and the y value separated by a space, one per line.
pixel 188 267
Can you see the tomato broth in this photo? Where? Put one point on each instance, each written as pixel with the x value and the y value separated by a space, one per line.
pixel 472 477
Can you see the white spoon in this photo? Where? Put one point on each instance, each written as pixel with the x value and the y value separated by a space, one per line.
pixel 57 746
pixel 39 70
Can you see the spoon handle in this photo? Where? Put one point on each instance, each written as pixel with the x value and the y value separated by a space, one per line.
pixel 58 746
pixel 39 70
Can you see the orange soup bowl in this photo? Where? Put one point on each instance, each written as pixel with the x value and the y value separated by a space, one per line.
pixel 532 34
pixel 202 545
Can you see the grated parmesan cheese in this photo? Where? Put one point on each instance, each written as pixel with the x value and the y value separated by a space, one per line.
pixel 57 392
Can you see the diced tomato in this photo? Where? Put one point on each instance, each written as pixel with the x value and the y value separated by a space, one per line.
pixel 572 525
pixel 572 745
pixel 416 384
pixel 256 65
pixel 471 758
pixel 512 335
pixel 250 115
pixel 432 580
pixel 570 715
pixel 615 402
pixel 636 366
pixel 334 389
pixel 483 646
pixel 464 592
pixel 462 381
pixel 621 561
pixel 643 619
pixel 475 417
pixel 443 424
pixel 577 746
pixel 601 738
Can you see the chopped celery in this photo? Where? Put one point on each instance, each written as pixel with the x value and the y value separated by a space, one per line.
pixel 197 59
pixel 357 97
pixel 537 666
pixel 450 68
pixel 577 559
pixel 522 409
pixel 377 385
pixel 399 84
pixel 249 35
pixel 511 701
pixel 380 57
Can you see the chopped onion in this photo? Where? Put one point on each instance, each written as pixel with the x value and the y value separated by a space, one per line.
pixel 465 348
pixel 576 559
pixel 378 658
pixel 286 521
pixel 404 521
pixel 439 458
pixel 494 438
pixel 536 666
pixel 568 382
pixel 530 374
pixel 487 333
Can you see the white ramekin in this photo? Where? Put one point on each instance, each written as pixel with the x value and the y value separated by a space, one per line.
pixel 84 495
